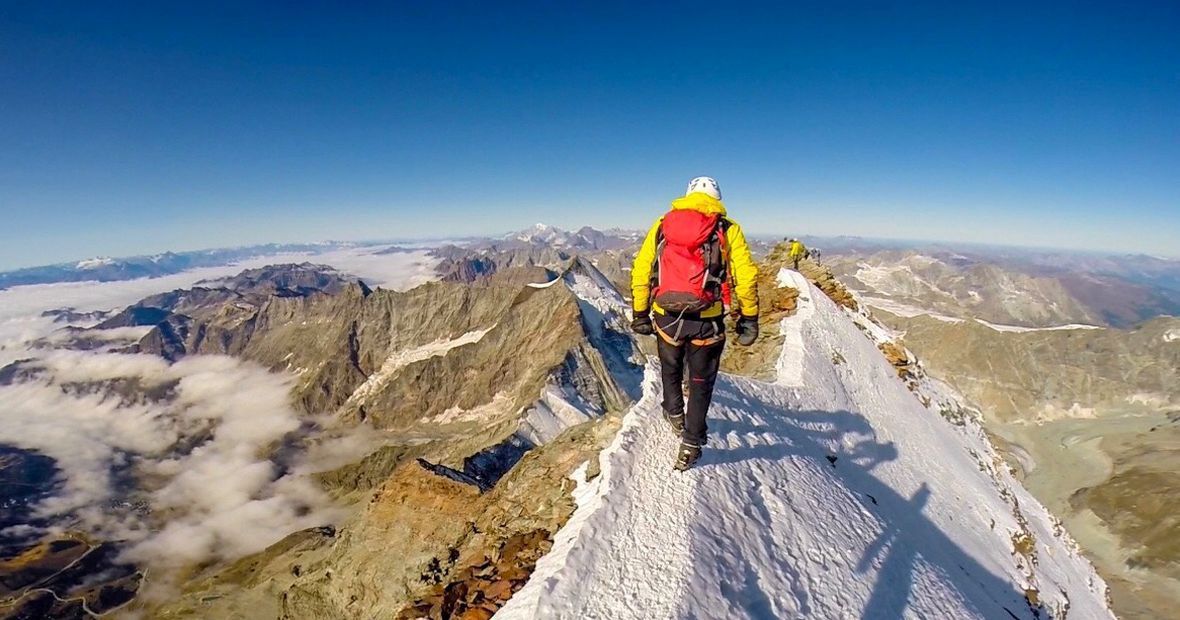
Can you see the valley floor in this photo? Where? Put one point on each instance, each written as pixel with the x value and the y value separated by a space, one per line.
pixel 1062 458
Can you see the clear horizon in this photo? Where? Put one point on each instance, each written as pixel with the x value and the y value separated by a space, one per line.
pixel 906 243
pixel 132 130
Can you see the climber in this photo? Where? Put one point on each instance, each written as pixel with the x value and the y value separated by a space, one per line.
pixel 797 252
pixel 691 257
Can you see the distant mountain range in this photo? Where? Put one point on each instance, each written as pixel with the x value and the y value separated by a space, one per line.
pixel 105 269
pixel 540 237
pixel 1031 290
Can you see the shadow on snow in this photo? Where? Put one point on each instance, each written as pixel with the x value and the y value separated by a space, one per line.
pixel 845 444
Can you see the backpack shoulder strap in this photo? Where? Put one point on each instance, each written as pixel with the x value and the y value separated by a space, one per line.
pixel 654 279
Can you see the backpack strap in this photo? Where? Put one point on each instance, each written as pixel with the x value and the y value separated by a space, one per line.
pixel 717 261
pixel 653 281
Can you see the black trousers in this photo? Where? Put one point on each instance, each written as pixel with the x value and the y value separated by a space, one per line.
pixel 702 363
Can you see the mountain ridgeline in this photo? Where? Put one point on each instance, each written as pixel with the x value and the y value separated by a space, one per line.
pixel 460 426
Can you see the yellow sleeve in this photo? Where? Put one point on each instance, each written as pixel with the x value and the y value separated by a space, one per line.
pixel 641 270
pixel 743 269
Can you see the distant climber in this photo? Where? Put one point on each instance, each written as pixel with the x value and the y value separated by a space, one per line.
pixel 813 254
pixel 692 257
pixel 797 252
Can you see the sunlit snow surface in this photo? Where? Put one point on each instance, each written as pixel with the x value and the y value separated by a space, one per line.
pixel 830 493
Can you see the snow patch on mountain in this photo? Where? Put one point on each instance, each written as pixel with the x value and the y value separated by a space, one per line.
pixel 1172 335
pixel 830 493
pixel 94 263
pixel 377 381
pixel 905 310
pixel 489 410
pixel 1021 330
pixel 554 412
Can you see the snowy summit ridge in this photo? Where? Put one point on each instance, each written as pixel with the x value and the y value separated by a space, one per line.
pixel 832 492
pixel 585 238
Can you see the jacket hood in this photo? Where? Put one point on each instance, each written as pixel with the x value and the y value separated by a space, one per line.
pixel 699 201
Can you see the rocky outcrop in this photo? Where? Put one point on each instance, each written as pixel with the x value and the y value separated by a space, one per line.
pixel 900 359
pixel 823 278
pixel 775 303
pixel 421 544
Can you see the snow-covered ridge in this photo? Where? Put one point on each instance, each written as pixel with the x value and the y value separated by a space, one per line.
pixel 560 405
pixel 830 493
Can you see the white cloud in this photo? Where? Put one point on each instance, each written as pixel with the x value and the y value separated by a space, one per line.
pixel 219 500
pixel 201 460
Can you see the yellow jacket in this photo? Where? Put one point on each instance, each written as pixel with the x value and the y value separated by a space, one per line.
pixel 743 272
pixel 797 250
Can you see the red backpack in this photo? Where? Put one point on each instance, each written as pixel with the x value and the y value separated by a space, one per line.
pixel 691 259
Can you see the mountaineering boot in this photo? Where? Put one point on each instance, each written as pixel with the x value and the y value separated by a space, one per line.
pixel 687 457
pixel 676 422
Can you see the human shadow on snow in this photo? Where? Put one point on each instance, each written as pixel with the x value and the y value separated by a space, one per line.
pixel 846 445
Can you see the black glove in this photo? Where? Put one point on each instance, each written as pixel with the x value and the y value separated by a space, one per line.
pixel 641 324
pixel 747 330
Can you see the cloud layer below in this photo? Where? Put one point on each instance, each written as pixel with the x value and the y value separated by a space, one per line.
pixel 176 459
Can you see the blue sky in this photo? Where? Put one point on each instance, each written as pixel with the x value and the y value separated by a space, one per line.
pixel 135 130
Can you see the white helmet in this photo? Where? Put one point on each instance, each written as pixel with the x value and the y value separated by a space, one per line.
pixel 704 185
